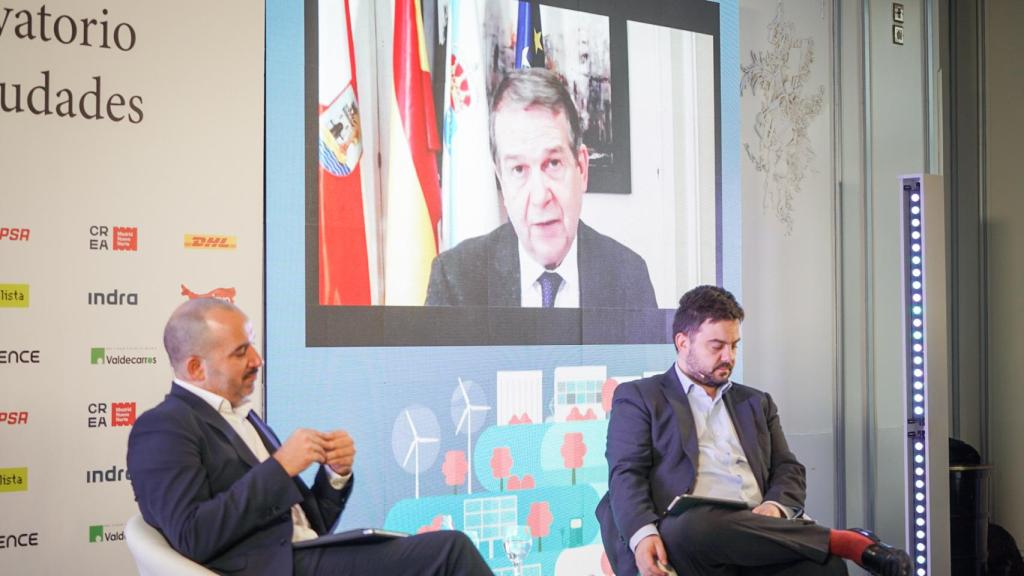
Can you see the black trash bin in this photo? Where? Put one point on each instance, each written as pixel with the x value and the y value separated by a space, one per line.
pixel 968 522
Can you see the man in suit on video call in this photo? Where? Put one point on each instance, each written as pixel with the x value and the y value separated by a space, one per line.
pixel 213 478
pixel 544 256
pixel 693 431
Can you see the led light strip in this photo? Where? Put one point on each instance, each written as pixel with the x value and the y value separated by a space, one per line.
pixel 916 371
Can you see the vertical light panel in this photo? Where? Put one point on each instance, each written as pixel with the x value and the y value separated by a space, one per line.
pixel 923 299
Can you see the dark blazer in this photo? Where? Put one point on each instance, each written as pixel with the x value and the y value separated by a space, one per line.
pixel 652 456
pixel 484 271
pixel 197 482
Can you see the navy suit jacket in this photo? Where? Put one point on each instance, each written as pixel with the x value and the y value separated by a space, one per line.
pixel 652 456
pixel 197 482
pixel 484 271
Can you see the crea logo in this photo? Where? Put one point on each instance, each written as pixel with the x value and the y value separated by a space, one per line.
pixel 122 356
pixel 226 294
pixel 113 415
pixel 210 241
pixel 22 540
pixel 114 298
pixel 13 295
pixel 14 234
pixel 13 480
pixel 103 475
pixel 116 238
pixel 100 533
pixel 15 418
pixel 19 356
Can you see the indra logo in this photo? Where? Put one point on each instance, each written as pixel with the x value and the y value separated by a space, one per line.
pixel 13 295
pixel 22 540
pixel 14 234
pixel 227 294
pixel 101 533
pixel 122 356
pixel 210 241
pixel 13 480
pixel 114 298
pixel 116 238
pixel 14 418
pixel 19 356
pixel 113 474
pixel 114 414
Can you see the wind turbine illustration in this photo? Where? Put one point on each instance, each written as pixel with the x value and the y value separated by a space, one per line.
pixel 466 420
pixel 406 439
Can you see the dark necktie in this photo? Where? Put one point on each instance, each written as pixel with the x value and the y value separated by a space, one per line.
pixel 266 434
pixel 549 283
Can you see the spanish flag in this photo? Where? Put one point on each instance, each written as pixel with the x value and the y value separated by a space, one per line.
pixel 413 203
pixel 344 266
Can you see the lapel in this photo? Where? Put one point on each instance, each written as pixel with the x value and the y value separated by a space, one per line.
pixel 585 262
pixel 741 406
pixel 673 390
pixel 503 288
pixel 206 413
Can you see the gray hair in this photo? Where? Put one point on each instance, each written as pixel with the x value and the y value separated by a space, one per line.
pixel 187 331
pixel 536 88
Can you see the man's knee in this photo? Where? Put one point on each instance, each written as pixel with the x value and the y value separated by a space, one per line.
pixel 693 530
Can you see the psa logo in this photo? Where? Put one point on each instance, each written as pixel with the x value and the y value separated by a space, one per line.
pixel 121 356
pixel 13 418
pixel 227 294
pixel 13 479
pixel 14 234
pixel 115 414
pixel 116 238
pixel 210 241
pixel 100 533
pixel 13 295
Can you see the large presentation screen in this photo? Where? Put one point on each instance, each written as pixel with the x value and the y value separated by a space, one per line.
pixel 509 173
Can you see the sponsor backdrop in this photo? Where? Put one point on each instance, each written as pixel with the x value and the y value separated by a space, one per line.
pixel 131 153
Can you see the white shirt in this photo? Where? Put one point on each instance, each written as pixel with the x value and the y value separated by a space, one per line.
pixel 722 467
pixel 568 294
pixel 238 419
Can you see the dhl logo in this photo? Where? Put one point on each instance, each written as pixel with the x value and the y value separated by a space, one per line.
pixel 210 241
pixel 227 294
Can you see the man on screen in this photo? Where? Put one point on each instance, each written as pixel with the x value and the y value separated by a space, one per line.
pixel 215 481
pixel 544 256
pixel 693 431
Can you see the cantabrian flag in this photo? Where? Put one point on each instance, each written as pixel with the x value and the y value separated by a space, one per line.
pixel 413 204
pixel 344 266
pixel 470 204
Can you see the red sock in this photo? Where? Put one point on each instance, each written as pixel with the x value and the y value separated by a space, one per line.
pixel 848 544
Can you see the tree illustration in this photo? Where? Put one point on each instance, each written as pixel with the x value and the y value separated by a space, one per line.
pixel 539 521
pixel 454 469
pixel 501 464
pixel 607 393
pixel 573 451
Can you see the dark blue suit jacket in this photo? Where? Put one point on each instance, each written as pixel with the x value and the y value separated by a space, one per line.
pixel 484 271
pixel 652 456
pixel 197 482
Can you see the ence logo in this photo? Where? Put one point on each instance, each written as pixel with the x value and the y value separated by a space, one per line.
pixel 116 238
pixel 13 479
pixel 100 533
pixel 14 234
pixel 210 241
pixel 13 295
pixel 19 356
pixel 227 294
pixel 121 356
pixel 115 414
pixel 22 540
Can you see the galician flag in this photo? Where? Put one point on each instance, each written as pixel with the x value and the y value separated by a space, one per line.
pixel 413 203
pixel 344 266
pixel 470 205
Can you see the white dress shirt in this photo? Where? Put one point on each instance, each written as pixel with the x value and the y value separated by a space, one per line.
pixel 238 419
pixel 568 294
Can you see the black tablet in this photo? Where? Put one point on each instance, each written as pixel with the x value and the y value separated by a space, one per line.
pixel 357 536
pixel 684 502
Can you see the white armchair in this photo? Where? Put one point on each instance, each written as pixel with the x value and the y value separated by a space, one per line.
pixel 153 555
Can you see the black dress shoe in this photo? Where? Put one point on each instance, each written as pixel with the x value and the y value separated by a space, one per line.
pixel 881 559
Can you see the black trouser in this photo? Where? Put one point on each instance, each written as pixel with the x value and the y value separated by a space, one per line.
pixel 710 540
pixel 443 553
